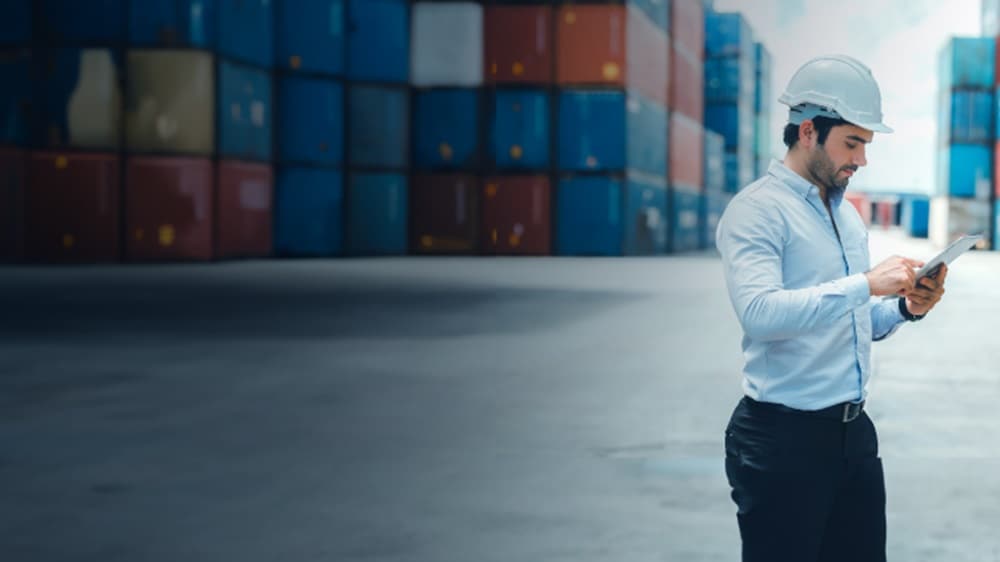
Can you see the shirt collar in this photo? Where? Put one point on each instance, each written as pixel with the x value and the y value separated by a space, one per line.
pixel 798 183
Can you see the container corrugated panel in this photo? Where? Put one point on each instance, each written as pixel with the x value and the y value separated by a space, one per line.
pixel 378 38
pixel 168 208
pixel 447 44
pixel 687 84
pixel 733 122
pixel 446 129
pixel 15 97
pixel 82 102
pixel 246 31
pixel 377 214
pixel 647 61
pixel 739 169
pixel 730 80
pixel 444 211
pixel 714 204
pixel 310 35
pixel 516 215
pixel 243 210
pixel 172 23
pixel 687 27
pixel 763 97
pixel 967 61
pixel 309 212
pixel 520 130
pixel 686 152
pixel 71 207
pixel 310 120
pixel 965 170
pixel 244 112
pixel 644 223
pixel 168 103
pixel 646 136
pixel 951 218
pixel 518 44
pixel 727 34
pixel 13 174
pixel 70 22
pixel 914 216
pixel 715 162
pixel 379 127
pixel 685 220
pixel 966 116
pixel 589 216
pixel 15 26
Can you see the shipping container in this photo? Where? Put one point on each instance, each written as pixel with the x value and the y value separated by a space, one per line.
pixel 309 212
pixel 885 213
pixel 611 45
pixel 967 62
pixel 727 34
pixel 72 207
pixel 762 92
pixel 446 129
pixel 687 27
pixel 996 170
pixel 13 175
pixel 686 153
pixel 78 91
pixel 172 23
pixel 644 224
pixel 714 204
pixel 966 116
pixel 715 162
pixel 243 209
pixel 687 84
pixel 656 11
pixel 75 22
pixel 377 214
pixel 734 122
pixel 310 36
pixel 378 40
pixel 862 203
pixel 740 167
pixel 244 112
pixel 15 26
pixel 951 218
pixel 379 127
pixel 310 120
pixel 914 216
pixel 519 132
pixel 518 44
pixel 515 215
pixel 447 44
pixel 730 80
pixel 444 211
pixel 762 137
pixel 168 102
pixel 589 216
pixel 168 208
pixel 15 97
pixel 965 170
pixel 602 130
pixel 246 31
pixel 686 228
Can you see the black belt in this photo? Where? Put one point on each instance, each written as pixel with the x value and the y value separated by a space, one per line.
pixel 844 412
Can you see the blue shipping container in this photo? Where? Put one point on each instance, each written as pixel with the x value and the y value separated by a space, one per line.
pixel 377 216
pixel 520 130
pixel 734 122
pixel 685 220
pixel 310 35
pixel 739 169
pixel 310 120
pixel 588 216
pixel 379 122
pixel 379 41
pixel 446 129
pixel 15 25
pixel 915 216
pixel 645 220
pixel 246 31
pixel 730 79
pixel 15 97
pixel 966 116
pixel 967 61
pixel 74 22
pixel 609 131
pixel 172 23
pixel 964 170
pixel 244 112
pixel 309 212
pixel 727 34
pixel 715 162
pixel 762 93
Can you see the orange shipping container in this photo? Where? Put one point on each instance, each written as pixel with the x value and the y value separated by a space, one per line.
pixel 518 44
pixel 516 215
pixel 611 45
pixel 687 149
pixel 687 84
pixel 13 170
pixel 687 26
pixel 863 204
pixel 243 204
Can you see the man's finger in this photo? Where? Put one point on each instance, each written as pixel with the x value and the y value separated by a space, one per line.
pixel 912 262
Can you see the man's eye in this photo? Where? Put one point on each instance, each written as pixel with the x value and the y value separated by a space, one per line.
pixel 851 146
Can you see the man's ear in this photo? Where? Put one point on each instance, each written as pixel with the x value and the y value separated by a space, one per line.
pixel 807 133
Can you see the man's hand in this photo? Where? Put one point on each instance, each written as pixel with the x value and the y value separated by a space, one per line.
pixel 927 293
pixel 894 276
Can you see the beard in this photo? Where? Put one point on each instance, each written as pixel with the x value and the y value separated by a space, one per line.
pixel 824 172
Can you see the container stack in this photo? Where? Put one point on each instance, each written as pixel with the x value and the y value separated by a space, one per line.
pixel 913 212
pixel 716 197
pixel 15 112
pixel 962 202
pixel 763 102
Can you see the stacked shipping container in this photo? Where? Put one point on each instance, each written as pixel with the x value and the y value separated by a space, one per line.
pixel 763 101
pixel 689 206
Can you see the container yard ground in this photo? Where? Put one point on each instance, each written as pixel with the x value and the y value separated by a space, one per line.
pixel 438 410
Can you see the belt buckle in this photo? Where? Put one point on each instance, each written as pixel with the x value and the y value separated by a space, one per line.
pixel 852 411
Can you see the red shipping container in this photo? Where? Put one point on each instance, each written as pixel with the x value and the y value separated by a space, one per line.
pixel 611 45
pixel 13 171
pixel 516 215
pixel 886 213
pixel 444 214
pixel 168 208
pixel 687 26
pixel 687 84
pixel 863 204
pixel 243 204
pixel 518 44
pixel 687 149
pixel 71 207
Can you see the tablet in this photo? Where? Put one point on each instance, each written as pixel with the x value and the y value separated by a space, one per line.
pixel 955 249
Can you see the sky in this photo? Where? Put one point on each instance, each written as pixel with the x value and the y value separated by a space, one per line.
pixel 899 40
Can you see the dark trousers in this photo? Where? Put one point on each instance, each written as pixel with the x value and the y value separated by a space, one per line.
pixel 807 489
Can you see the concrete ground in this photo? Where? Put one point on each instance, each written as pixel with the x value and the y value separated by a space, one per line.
pixel 441 409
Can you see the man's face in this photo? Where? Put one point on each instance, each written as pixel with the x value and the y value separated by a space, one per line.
pixel 834 162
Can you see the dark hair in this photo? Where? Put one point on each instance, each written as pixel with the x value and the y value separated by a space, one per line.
pixel 823 126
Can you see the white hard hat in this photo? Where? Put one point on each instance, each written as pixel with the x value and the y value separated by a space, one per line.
pixel 836 86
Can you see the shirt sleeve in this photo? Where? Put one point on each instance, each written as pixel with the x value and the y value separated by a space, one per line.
pixel 886 318
pixel 751 244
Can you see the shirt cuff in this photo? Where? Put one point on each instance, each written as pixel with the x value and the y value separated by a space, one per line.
pixel 856 289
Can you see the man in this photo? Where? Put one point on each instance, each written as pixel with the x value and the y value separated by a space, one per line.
pixel 801 453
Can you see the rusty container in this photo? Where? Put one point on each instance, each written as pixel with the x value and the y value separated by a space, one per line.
pixel 244 195
pixel 518 45
pixel 687 150
pixel 444 212
pixel 516 216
